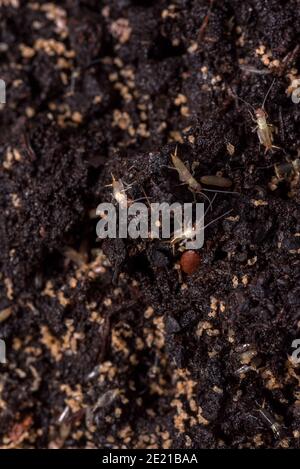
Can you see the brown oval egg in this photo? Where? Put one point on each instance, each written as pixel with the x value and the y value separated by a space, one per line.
pixel 190 261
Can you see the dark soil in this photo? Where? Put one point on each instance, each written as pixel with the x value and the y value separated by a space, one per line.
pixel 107 344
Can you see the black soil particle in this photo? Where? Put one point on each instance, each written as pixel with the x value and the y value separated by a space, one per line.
pixel 109 343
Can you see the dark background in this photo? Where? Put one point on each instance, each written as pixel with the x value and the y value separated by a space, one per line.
pixel 109 332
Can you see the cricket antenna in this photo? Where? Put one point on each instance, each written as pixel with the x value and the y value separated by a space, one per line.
pixel 268 92
pixel 245 102
pixel 219 218
pixel 241 99
pixel 220 192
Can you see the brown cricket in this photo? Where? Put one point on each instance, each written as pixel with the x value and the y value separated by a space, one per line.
pixel 184 174
pixel 186 177
pixel 263 129
pixel 119 192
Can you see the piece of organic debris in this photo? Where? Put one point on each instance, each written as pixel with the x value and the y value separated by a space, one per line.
pixel 252 69
pixel 230 148
pixel 19 429
pixel 217 181
pixel 5 313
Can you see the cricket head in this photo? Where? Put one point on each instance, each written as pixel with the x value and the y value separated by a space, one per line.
pixel 260 113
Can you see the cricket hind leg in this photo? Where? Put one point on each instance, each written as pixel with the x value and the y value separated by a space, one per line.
pixel 271 148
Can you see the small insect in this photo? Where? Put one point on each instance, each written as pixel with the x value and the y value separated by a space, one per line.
pixel 290 172
pixel 184 174
pixel 190 232
pixel 190 261
pixel 286 170
pixel 106 399
pixel 264 130
pixel 186 177
pixel 269 421
pixel 119 192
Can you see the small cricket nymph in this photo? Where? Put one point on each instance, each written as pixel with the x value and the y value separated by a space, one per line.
pixel 119 192
pixel 190 232
pixel 264 130
pixel 186 177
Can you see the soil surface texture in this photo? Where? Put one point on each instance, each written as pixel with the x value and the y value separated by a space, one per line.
pixel 110 343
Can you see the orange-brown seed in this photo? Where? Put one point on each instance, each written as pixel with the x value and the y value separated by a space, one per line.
pixel 190 261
